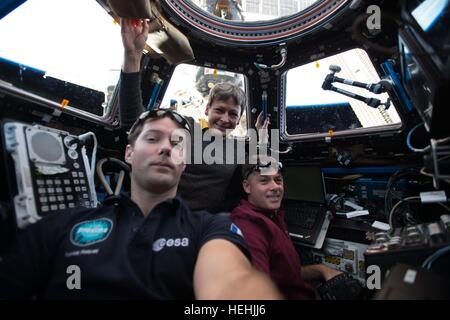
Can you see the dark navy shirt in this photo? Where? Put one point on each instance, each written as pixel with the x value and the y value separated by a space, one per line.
pixel 119 252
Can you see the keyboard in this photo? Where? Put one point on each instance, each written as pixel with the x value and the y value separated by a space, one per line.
pixel 307 223
pixel 305 217
pixel 341 287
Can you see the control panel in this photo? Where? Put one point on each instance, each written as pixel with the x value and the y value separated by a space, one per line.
pixel 343 255
pixel 51 171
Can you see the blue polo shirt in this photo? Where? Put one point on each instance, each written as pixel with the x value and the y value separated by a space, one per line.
pixel 118 253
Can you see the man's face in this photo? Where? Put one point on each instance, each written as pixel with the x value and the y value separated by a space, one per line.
pixel 157 157
pixel 265 191
pixel 223 115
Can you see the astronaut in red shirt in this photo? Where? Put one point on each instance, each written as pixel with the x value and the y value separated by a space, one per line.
pixel 262 222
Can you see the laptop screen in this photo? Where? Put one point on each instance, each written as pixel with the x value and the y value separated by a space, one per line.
pixel 304 184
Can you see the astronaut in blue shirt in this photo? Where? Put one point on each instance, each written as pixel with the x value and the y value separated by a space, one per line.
pixel 148 245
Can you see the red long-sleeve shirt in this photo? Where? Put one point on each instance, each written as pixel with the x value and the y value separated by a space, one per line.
pixel 272 249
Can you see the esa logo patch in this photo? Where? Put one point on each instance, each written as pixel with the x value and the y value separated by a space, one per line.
pixel 162 243
pixel 234 228
pixel 89 232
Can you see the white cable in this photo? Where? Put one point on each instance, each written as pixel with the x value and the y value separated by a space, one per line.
pixel 119 182
pixel 261 66
pixel 102 178
pixel 83 138
pixel 391 214
pixel 443 140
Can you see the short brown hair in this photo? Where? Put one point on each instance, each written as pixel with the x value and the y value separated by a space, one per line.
pixel 226 90
pixel 133 135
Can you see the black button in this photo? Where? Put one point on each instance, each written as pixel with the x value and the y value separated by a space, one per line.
pixel 135 229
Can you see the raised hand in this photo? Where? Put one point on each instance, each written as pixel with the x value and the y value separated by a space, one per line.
pixel 134 35
pixel 263 128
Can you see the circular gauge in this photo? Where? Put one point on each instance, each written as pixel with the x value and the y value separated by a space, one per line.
pixel 73 154
pixel 257 22
pixel 70 142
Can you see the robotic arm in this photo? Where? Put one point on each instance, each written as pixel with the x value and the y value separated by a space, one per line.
pixel 376 88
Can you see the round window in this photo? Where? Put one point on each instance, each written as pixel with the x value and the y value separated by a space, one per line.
pixel 253 22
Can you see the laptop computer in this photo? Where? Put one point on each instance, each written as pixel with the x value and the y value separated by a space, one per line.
pixel 307 216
